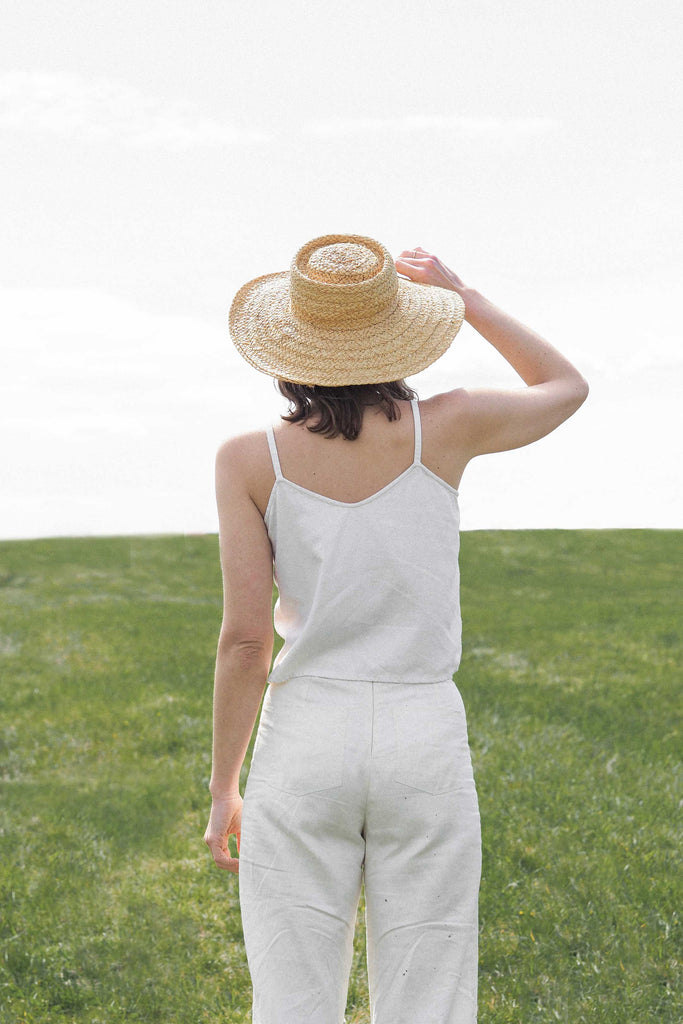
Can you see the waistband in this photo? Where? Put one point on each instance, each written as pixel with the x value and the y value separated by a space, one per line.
pixel 361 682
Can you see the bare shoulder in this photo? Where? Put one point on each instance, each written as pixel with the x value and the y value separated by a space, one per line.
pixel 444 447
pixel 238 457
pixel 446 414
pixel 446 402
pixel 241 446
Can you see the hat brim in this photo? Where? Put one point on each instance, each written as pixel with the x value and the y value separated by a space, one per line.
pixel 417 331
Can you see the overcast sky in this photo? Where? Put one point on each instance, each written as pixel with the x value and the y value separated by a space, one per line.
pixel 158 155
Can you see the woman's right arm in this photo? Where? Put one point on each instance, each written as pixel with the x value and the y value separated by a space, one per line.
pixel 498 419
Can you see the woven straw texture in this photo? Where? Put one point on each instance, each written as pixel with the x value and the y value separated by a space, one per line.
pixel 341 315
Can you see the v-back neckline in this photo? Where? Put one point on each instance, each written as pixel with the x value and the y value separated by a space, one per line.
pixel 348 504
pixel 417 452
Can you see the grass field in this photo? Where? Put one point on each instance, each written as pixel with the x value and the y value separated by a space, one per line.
pixel 111 908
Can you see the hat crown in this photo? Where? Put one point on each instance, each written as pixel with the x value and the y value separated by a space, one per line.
pixel 342 282
pixel 342 263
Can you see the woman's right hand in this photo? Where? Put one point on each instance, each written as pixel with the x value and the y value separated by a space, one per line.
pixel 225 820
pixel 426 268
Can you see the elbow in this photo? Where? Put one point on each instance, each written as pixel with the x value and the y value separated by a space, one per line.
pixel 247 651
pixel 578 391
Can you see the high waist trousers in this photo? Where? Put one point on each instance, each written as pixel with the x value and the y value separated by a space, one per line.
pixel 354 783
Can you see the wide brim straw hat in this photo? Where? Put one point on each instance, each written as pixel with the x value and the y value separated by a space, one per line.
pixel 342 315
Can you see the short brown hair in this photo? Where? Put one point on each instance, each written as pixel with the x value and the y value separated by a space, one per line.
pixel 341 408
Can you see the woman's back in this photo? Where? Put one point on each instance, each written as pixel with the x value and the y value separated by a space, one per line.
pixel 368 586
pixel 350 471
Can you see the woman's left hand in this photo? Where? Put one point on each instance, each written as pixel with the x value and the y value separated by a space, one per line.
pixel 225 820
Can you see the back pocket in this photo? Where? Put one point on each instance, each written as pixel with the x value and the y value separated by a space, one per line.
pixel 431 749
pixel 301 741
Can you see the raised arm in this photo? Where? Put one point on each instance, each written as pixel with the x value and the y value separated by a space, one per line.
pixel 499 419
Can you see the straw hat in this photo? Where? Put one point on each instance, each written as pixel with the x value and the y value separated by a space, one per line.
pixel 341 315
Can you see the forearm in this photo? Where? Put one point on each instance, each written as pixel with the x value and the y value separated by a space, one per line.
pixel 240 679
pixel 534 358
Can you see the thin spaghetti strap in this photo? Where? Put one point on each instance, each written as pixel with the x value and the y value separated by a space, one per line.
pixel 273 452
pixel 418 429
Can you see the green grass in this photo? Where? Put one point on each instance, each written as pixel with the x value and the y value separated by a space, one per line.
pixel 111 908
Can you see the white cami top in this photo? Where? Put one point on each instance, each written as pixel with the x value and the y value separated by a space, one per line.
pixel 370 589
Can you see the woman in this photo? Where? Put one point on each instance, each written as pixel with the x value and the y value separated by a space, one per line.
pixel 361 769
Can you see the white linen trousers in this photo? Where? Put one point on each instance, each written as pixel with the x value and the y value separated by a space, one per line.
pixel 353 783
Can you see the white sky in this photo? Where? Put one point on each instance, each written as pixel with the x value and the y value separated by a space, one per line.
pixel 158 155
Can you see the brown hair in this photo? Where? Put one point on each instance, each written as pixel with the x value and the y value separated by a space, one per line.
pixel 341 408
